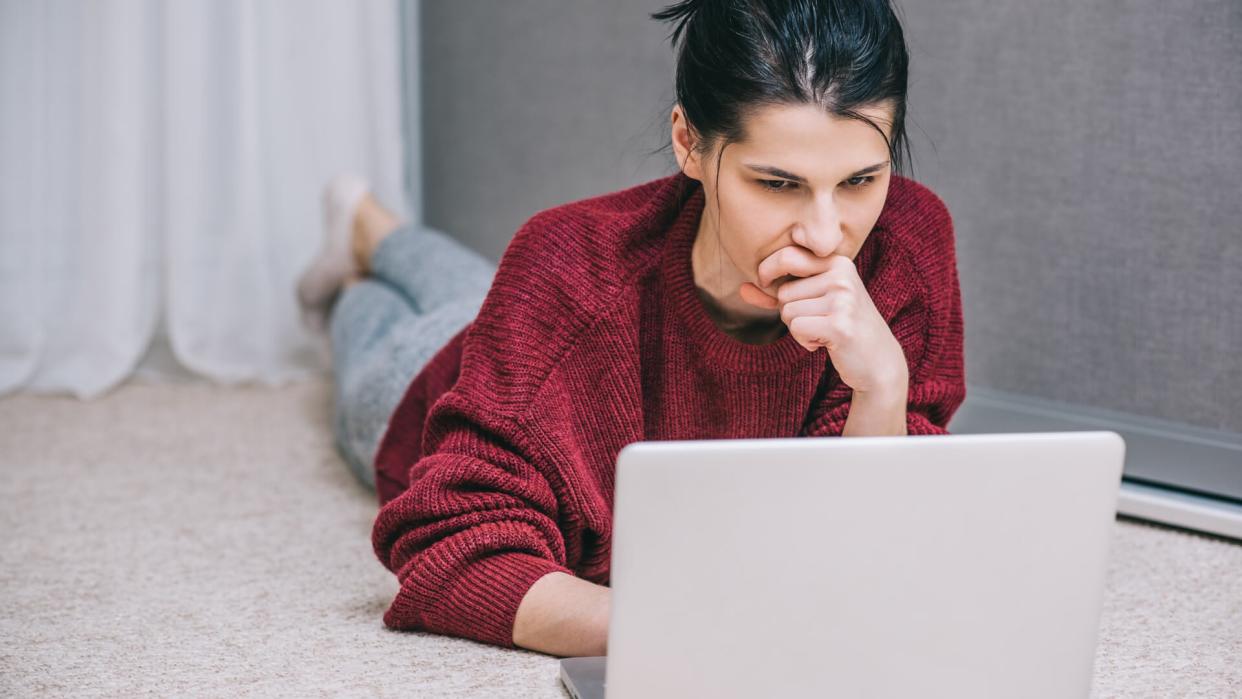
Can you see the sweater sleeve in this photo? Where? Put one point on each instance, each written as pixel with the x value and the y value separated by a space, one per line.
pixel 930 331
pixel 937 388
pixel 475 529
pixel 928 325
pixel 480 520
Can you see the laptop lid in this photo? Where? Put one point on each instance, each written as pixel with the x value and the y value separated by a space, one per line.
pixel 932 566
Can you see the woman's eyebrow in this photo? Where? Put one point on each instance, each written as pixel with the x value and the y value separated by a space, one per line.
pixel 777 172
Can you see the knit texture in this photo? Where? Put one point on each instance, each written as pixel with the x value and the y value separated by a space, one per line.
pixel 497 466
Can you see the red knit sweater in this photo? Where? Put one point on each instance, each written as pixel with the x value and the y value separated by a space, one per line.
pixel 497 465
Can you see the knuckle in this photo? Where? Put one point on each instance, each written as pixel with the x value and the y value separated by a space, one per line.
pixel 784 253
pixel 767 271
pixel 787 316
pixel 804 328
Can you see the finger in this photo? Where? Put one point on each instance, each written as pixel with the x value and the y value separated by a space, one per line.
pixel 816 331
pixel 804 288
pixel 757 297
pixel 817 306
pixel 791 259
pixel 775 266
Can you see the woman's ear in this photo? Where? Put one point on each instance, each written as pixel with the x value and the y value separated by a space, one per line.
pixel 684 141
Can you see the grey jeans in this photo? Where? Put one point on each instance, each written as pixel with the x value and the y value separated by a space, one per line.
pixel 424 287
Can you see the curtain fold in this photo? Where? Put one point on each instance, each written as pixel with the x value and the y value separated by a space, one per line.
pixel 162 169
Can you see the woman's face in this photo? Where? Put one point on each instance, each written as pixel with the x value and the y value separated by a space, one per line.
pixel 800 177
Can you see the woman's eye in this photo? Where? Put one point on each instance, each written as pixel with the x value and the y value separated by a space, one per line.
pixel 777 185
pixel 785 185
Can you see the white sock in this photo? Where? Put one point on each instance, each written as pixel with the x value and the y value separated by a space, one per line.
pixel 320 283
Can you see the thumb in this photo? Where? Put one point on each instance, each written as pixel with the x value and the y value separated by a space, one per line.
pixel 755 296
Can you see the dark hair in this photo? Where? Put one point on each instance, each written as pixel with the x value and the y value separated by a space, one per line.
pixel 738 55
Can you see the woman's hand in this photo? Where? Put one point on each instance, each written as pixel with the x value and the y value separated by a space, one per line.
pixel 826 305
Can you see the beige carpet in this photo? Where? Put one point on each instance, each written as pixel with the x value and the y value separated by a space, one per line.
pixel 183 539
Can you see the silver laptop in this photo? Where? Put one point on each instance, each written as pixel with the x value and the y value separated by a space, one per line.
pixel 931 566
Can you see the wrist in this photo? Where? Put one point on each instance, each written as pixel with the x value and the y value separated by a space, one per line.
pixel 892 389
pixel 877 412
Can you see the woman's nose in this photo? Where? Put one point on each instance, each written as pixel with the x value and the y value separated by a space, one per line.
pixel 820 231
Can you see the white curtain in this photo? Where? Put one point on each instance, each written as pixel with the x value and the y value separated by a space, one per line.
pixel 160 169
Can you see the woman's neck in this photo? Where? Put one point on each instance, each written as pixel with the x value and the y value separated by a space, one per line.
pixel 717 281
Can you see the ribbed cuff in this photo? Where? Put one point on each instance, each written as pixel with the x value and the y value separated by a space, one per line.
pixel 482 603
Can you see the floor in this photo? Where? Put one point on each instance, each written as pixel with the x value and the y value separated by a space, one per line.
pixel 177 539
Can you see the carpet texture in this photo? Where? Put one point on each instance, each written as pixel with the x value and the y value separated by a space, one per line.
pixel 187 539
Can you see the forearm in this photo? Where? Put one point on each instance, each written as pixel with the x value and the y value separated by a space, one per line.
pixel 564 615
pixel 878 413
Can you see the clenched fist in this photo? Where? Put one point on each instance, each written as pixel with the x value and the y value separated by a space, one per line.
pixel 825 304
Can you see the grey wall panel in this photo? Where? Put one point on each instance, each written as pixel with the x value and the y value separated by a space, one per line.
pixel 1090 152
pixel 531 104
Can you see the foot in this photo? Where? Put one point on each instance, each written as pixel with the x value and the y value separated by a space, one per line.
pixel 372 223
pixel 315 318
pixel 325 276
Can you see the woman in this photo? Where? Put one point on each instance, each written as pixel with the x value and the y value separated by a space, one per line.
pixel 784 282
